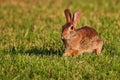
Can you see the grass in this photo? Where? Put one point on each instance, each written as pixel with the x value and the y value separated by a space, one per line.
pixel 31 47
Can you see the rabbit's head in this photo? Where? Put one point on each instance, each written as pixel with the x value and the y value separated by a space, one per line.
pixel 69 29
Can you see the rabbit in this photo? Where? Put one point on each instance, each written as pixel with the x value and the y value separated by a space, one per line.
pixel 79 41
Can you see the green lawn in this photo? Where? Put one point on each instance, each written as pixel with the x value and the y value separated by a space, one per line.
pixel 31 46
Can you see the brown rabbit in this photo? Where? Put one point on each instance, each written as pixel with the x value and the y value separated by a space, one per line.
pixel 78 41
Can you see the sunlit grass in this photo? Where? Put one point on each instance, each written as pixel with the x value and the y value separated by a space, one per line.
pixel 31 46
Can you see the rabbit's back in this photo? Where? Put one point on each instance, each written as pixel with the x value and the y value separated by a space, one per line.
pixel 90 39
pixel 88 32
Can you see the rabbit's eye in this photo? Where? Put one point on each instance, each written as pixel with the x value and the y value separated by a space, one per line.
pixel 72 27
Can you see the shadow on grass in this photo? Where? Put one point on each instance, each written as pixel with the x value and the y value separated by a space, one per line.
pixel 34 50
pixel 44 51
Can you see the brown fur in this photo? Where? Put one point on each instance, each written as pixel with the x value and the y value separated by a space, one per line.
pixel 78 41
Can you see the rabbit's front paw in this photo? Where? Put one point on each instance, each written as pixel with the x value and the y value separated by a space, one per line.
pixel 70 52
pixel 66 54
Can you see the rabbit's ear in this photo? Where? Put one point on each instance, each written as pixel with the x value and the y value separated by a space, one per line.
pixel 68 15
pixel 76 17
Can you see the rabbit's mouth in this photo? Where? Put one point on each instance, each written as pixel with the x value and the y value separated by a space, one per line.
pixel 69 35
pixel 65 37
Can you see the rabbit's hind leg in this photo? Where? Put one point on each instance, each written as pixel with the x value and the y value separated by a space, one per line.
pixel 99 48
